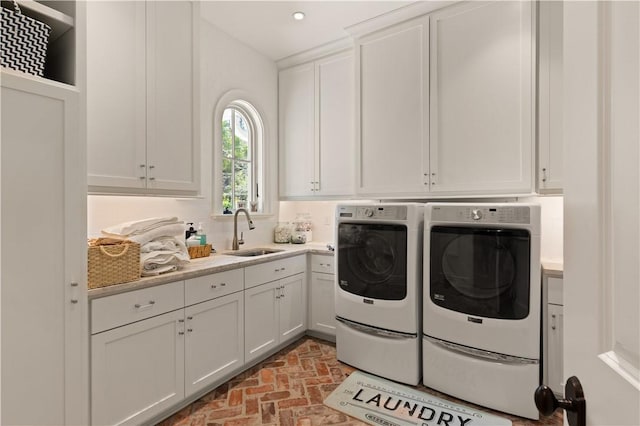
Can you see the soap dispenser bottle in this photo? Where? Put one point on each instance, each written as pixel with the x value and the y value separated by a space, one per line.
pixel 189 232
pixel 202 235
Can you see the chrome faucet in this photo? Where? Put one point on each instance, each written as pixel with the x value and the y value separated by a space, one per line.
pixel 235 245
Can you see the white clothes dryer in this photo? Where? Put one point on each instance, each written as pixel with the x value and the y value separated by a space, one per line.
pixel 481 302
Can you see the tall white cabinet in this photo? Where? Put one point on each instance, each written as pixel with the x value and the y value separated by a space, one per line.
pixel 392 99
pixel 43 254
pixel 142 100
pixel 482 98
pixel 550 145
pixel 316 127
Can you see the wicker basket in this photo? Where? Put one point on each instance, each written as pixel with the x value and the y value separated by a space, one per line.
pixel 199 251
pixel 23 41
pixel 113 264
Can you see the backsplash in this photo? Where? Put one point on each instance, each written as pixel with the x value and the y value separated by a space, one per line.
pixel 322 217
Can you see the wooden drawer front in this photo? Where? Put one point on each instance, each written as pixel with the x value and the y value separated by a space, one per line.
pixel 271 271
pixel 120 309
pixel 320 263
pixel 209 287
pixel 554 289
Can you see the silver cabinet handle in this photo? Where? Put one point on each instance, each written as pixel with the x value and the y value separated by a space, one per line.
pixel 148 305
pixel 214 286
pixel 277 270
pixel 223 284
pixel 74 284
pixel 152 178
pixel 189 318
pixel 180 333
pixel 189 330
pixel 553 322
pixel 544 174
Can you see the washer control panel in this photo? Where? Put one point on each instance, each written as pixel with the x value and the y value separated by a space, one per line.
pixel 372 212
pixel 482 214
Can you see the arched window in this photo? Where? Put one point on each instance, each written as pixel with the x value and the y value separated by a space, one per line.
pixel 241 158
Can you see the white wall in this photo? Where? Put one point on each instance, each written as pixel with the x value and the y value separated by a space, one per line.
pixel 322 216
pixel 225 64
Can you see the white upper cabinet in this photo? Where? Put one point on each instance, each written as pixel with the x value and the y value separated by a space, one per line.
pixel 316 128
pixel 141 99
pixel 297 115
pixel 550 158
pixel 482 98
pixel 392 96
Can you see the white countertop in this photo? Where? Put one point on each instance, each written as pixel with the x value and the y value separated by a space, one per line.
pixel 217 262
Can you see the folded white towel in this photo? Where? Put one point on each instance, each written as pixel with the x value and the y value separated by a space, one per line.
pixel 139 226
pixel 162 254
pixel 172 230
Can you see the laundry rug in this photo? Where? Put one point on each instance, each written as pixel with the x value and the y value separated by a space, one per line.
pixel 381 402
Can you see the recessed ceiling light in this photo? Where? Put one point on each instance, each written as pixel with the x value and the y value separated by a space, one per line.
pixel 298 16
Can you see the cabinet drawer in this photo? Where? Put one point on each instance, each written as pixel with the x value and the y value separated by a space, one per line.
pixel 554 290
pixel 265 272
pixel 320 263
pixel 120 309
pixel 208 287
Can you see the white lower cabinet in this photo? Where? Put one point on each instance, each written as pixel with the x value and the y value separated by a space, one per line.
pixel 137 370
pixel 145 360
pixel 553 327
pixel 275 313
pixel 214 342
pixel 322 311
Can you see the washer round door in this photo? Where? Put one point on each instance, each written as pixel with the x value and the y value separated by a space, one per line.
pixel 372 260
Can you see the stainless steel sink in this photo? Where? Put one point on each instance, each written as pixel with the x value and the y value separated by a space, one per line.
pixel 253 252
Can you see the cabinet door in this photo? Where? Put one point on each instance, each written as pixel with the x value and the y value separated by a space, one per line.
pixel 550 146
pixel 43 204
pixel 482 89
pixel 293 306
pixel 335 151
pixel 116 110
pixel 297 114
pixel 214 344
pixel 137 370
pixel 261 321
pixel 554 360
pixel 322 307
pixel 392 95
pixel 172 146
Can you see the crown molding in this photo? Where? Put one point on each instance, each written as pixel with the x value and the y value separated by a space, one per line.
pixel 336 46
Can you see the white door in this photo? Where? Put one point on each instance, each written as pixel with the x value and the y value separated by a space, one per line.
pixel 43 205
pixel 335 151
pixel 297 111
pixel 602 196
pixel 172 146
pixel 482 92
pixel 214 344
pixel 293 306
pixel 392 99
pixel 116 93
pixel 323 311
pixel 137 371
pixel 261 321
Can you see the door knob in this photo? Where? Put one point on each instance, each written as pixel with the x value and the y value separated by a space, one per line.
pixel 574 403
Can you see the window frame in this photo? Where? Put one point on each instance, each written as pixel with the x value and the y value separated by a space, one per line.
pixel 240 101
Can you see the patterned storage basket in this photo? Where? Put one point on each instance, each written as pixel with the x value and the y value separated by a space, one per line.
pixel 23 41
pixel 113 264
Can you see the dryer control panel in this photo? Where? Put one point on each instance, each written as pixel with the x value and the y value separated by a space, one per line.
pixel 482 214
pixel 373 212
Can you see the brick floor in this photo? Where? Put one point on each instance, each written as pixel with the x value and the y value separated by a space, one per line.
pixel 288 389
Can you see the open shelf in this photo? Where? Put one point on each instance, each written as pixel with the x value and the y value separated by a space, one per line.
pixel 60 64
pixel 59 22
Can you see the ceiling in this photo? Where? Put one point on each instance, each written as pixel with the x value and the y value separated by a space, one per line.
pixel 268 26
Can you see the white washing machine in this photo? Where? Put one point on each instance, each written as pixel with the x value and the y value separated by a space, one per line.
pixel 379 288
pixel 481 302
